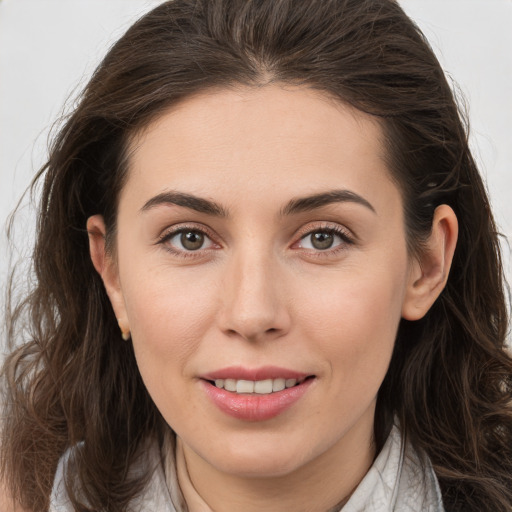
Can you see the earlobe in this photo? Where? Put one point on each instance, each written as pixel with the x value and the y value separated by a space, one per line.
pixel 429 271
pixel 107 269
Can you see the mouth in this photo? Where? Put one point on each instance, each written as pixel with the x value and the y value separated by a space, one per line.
pixel 256 395
pixel 258 387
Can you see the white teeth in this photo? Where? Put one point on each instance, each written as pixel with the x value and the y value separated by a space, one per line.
pixel 260 387
pixel 245 386
pixel 263 387
pixel 278 384
pixel 289 383
pixel 230 385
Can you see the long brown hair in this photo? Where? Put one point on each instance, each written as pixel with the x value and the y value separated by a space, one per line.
pixel 72 382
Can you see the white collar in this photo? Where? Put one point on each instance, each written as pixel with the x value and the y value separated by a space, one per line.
pixel 399 480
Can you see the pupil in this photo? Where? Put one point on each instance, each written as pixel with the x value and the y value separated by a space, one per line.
pixel 322 240
pixel 192 240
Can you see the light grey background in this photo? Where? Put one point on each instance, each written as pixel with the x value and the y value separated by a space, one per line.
pixel 48 48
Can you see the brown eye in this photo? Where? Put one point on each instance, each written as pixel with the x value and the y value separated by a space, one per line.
pixel 192 240
pixel 322 240
pixel 325 239
pixel 187 240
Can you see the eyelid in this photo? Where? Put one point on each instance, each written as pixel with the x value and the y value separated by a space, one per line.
pixel 336 228
pixel 171 231
pixel 347 237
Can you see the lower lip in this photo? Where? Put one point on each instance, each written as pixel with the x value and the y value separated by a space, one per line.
pixel 254 407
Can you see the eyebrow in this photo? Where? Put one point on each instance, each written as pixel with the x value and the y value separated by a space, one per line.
pixel 198 204
pixel 308 203
pixel 298 205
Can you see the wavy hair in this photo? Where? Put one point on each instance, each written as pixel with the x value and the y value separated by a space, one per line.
pixel 70 380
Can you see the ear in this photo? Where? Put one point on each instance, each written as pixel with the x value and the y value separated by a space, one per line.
pixel 106 267
pixel 430 269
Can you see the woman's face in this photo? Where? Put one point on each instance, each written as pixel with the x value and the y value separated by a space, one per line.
pixel 261 245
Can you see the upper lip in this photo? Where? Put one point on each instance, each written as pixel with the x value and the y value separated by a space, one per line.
pixel 255 374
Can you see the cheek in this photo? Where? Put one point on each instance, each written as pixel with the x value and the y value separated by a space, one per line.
pixel 168 318
pixel 354 319
pixel 169 313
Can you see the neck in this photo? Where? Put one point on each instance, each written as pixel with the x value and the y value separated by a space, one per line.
pixel 320 485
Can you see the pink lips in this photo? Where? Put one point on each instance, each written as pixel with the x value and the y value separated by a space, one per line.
pixel 255 407
pixel 265 372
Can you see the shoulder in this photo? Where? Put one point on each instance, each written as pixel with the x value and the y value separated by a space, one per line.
pixel 400 479
pixel 59 499
pixel 418 486
pixel 154 497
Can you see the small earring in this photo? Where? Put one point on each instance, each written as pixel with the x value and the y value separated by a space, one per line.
pixel 125 333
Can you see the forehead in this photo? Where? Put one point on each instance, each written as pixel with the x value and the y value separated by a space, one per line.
pixel 271 138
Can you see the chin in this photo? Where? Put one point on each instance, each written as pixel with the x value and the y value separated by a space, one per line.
pixel 260 458
pixel 260 467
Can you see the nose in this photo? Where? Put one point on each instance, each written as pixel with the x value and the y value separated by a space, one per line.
pixel 253 305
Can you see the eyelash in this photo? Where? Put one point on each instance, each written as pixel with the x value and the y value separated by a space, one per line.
pixel 170 234
pixel 345 236
pixel 332 229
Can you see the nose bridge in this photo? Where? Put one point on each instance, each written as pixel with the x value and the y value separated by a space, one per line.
pixel 253 306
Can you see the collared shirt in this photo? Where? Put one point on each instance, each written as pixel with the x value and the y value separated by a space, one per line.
pixel 399 480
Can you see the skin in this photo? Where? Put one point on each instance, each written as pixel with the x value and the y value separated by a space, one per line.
pixel 260 293
pixel 7 502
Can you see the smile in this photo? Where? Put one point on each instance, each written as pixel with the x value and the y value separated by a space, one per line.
pixel 256 395
pixel 259 387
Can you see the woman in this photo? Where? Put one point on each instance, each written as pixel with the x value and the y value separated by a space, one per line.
pixel 268 277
